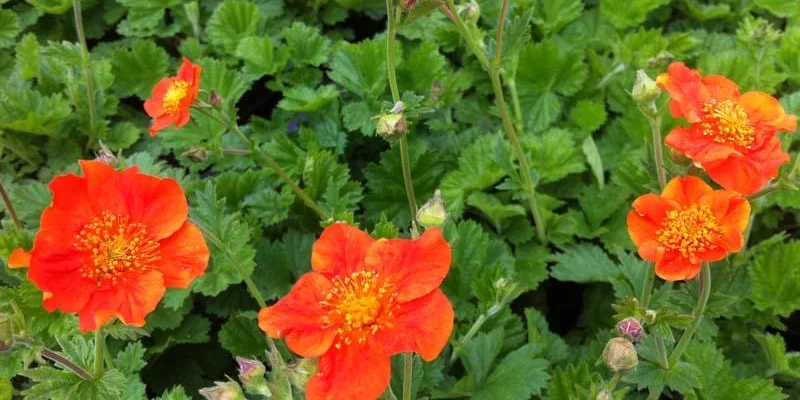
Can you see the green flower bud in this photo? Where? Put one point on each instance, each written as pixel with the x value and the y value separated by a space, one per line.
pixel 301 371
pixel 251 373
pixel 604 395
pixel 432 213
pixel 392 126
pixel 196 154
pixel 645 91
pixel 620 355
pixel 223 391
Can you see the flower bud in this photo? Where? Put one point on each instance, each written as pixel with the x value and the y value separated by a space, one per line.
pixel 398 107
pixel 630 328
pixel 215 100
pixel 645 91
pixel 392 126
pixel 6 333
pixel 679 158
pixel 470 11
pixel 251 373
pixel 106 156
pixel 620 355
pixel 604 395
pixel 432 213
pixel 408 4
pixel 301 371
pixel 196 154
pixel 223 391
pixel 650 316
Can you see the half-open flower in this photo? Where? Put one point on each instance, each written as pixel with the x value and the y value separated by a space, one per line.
pixel 731 136
pixel 172 98
pixel 364 301
pixel 110 243
pixel 688 224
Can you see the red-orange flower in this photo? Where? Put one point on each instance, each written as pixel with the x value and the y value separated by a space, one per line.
pixel 690 223
pixel 364 301
pixel 110 243
pixel 731 136
pixel 172 97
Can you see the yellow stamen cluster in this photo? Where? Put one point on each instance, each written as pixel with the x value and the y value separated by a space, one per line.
pixel 114 246
pixel 727 123
pixel 690 230
pixel 359 305
pixel 177 91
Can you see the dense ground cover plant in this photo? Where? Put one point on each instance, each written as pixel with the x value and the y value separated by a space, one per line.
pixel 587 232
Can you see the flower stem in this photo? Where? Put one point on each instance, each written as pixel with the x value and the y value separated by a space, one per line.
pixel 494 73
pixel 88 75
pixel 55 357
pixel 658 149
pixel 408 372
pixel 99 350
pixel 662 352
pixel 697 314
pixel 476 326
pixel 649 282
pixel 10 207
pixel 612 384
pixel 234 127
pixel 511 82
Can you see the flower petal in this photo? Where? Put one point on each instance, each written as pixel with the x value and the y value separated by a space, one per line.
pixel 721 88
pixel 130 301
pixel 162 122
pixel 414 267
pixel 422 326
pixel 687 90
pixel 672 267
pixel 765 110
pixel 355 372
pixel 184 256
pixel 299 317
pixel 340 250
pixel 698 147
pixel 748 173
pixel 686 190
pixel 19 258
pixel 60 276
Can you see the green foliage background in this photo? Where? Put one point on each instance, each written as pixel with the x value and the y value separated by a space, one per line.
pixel 305 80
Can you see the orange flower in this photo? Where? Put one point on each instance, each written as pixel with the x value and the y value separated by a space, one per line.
pixel 690 223
pixel 172 97
pixel 110 243
pixel 731 136
pixel 364 301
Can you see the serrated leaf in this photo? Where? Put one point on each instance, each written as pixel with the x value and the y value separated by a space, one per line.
pixel 9 28
pixel 231 22
pixel 519 376
pixel 626 13
pixel 681 377
pixel 554 154
pixel 588 115
pixel 27 57
pixel 557 70
pixel 553 15
pixel 421 67
pixel 138 67
pixel 26 110
pixel 270 206
pixel 175 393
pixel 475 172
pixel 593 159
pixel 259 56
pixel 303 98
pixel 131 359
pixel 306 45
pixel 123 135
pixel 360 68
pixel 494 209
pixel 51 6
pixel 776 279
pixel 780 8
pixel 231 254
pixel 584 263
pixel 241 336
pixel 357 116
pixel 193 329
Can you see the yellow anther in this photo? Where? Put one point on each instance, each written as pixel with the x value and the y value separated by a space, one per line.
pixel 727 122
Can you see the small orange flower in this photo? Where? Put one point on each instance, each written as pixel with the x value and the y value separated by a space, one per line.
pixel 364 301
pixel 731 136
pixel 690 223
pixel 172 97
pixel 110 243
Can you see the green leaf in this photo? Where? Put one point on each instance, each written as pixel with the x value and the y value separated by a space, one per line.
pixel 557 70
pixel 553 15
pixel 228 239
pixel 232 22
pixel 27 56
pixel 51 383
pixel 555 348
pixel 421 67
pixel 494 209
pixel 303 98
pixel 781 8
pixel 259 56
pixel 357 116
pixel 776 279
pixel 572 382
pixel 554 154
pixel 131 359
pixel 360 68
pixel 123 135
pixel 306 45
pixel 9 28
pixel 588 115
pixel 627 13
pixel 269 206
pixel 241 336
pixel 475 172
pixel 26 110
pixel 682 377
pixel 519 376
pixel 584 263
pixel 593 159
pixel 773 348
pixel 193 329
pixel 518 33
pixel 51 6
pixel 138 67
pixel 479 354
pixel 176 393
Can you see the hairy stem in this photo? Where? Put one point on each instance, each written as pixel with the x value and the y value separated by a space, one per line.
pixel 55 357
pixel 408 372
pixel 88 75
pixel 699 309
pixel 662 352
pixel 658 149
pixel 99 350
pixel 476 326
pixel 10 207
pixel 649 282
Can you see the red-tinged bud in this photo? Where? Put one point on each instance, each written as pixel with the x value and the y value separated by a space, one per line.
pixel 251 373
pixel 223 391
pixel 630 328
pixel 106 156
pixel 196 154
pixel 6 333
pixel 620 355
pixel 392 126
pixel 215 100
pixel 408 4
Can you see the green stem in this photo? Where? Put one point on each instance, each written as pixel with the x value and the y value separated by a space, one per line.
pixel 658 150
pixel 408 371
pixel 699 309
pixel 88 75
pixel 662 352
pixel 649 282
pixel 10 207
pixel 99 350
pixel 511 82
pixel 476 326
pixel 234 127
pixel 772 187
pixel 612 384
pixel 55 357
pixel 494 73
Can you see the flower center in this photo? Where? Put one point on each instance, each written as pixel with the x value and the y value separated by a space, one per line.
pixel 727 122
pixel 359 305
pixel 178 90
pixel 690 230
pixel 115 246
